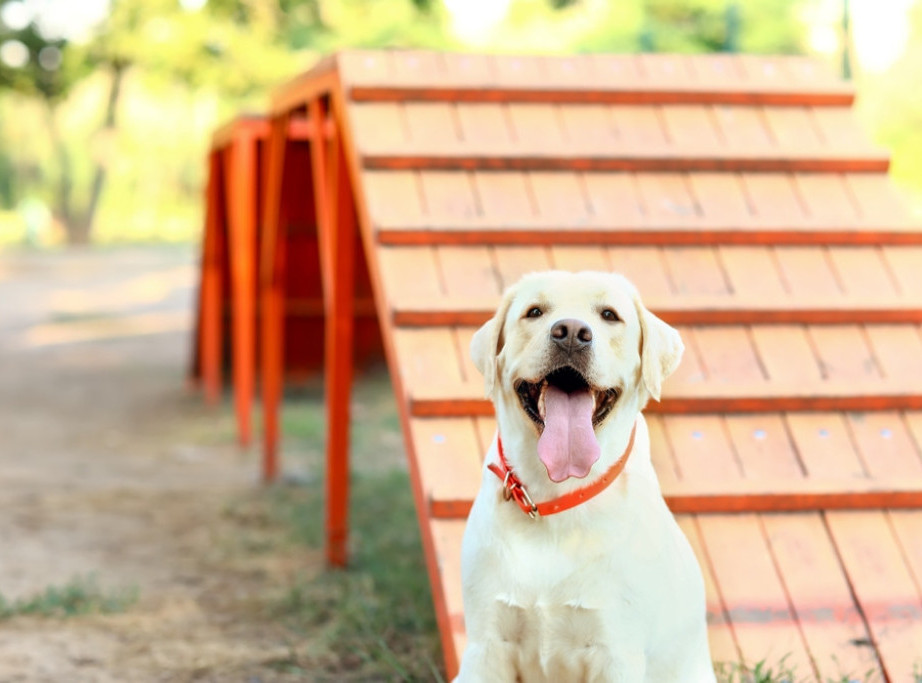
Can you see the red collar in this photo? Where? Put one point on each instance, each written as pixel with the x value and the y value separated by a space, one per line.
pixel 515 489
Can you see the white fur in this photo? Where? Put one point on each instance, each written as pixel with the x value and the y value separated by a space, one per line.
pixel 607 591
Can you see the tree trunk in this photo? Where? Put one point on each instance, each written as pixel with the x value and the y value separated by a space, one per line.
pixel 63 207
pixel 80 229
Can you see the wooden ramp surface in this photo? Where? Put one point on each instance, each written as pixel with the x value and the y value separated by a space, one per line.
pixel 738 193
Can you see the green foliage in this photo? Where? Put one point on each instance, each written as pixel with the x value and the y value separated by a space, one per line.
pixel 80 596
pixel 892 107
pixel 761 672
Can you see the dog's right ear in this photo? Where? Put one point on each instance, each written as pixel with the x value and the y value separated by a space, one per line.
pixel 488 342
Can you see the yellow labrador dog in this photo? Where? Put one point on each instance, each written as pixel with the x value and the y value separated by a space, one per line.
pixel 573 568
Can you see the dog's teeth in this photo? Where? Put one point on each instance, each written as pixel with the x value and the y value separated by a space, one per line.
pixel 541 407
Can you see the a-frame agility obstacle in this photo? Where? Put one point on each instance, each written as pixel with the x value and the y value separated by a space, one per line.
pixel 738 193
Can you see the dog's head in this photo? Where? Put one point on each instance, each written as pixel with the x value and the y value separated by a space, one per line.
pixel 564 353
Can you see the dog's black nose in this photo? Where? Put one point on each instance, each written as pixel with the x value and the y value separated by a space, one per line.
pixel 571 335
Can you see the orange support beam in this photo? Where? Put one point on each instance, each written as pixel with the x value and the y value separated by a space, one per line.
pixel 272 293
pixel 244 186
pixel 336 234
pixel 212 295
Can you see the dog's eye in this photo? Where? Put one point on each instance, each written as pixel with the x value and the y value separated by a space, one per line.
pixel 534 312
pixel 609 315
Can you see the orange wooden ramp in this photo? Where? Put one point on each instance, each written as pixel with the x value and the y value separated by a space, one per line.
pixel 738 193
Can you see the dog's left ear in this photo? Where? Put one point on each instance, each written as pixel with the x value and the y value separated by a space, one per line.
pixel 488 342
pixel 661 349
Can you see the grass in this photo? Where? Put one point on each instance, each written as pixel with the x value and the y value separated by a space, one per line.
pixel 782 672
pixel 79 596
pixel 374 620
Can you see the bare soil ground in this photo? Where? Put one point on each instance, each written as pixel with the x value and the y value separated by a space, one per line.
pixel 112 467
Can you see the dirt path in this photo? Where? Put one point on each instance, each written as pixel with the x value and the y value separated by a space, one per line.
pixel 111 468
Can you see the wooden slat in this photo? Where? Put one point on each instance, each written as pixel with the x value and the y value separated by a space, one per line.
pixel 599 208
pixel 735 379
pixel 882 582
pixel 781 286
pixel 427 76
pixel 757 604
pixel 820 597
pixel 720 635
pixel 670 138
pixel 446 542
pixel 542 159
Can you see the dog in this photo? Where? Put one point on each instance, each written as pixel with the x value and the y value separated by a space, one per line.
pixel 573 568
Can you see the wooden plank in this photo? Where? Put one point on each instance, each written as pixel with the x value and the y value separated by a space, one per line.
pixel 701 449
pixel 431 128
pixel 431 76
pixel 876 199
pixel 406 274
pixel 448 457
pixel 537 127
pixel 763 447
pixel 446 544
pixel 503 196
pixel 447 196
pixel 786 353
pixel 575 259
pixel 897 349
pixel 863 272
pixel 774 199
pixel 807 271
pixel 773 495
pixel 691 127
pixel 728 355
pixel 393 198
pixel 667 199
pixel 720 198
pixel 541 146
pixel 661 453
pixel 820 597
pixel 514 262
pixel 429 362
pixel 826 198
pixel 485 128
pixel 844 353
pixel 696 271
pixel 720 634
pixel 741 126
pixel 757 604
pixel 825 446
pixel 378 127
pixel 468 272
pixel 904 263
pixel 646 267
pixel 884 586
pixel 559 197
pixel 885 445
pixel 691 310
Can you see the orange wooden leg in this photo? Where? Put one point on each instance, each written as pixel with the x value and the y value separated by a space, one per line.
pixel 242 224
pixel 272 294
pixel 336 234
pixel 211 296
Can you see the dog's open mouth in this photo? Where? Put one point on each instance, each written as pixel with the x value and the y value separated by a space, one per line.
pixel 566 410
pixel 567 379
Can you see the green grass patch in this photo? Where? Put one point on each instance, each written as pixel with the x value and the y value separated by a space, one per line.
pixel 782 672
pixel 374 620
pixel 79 596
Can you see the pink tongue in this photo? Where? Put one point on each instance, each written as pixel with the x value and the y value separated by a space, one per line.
pixel 568 446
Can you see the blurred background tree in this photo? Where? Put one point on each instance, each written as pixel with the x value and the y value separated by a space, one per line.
pixel 106 105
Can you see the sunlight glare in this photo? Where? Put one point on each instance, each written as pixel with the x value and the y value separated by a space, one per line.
pixel 474 20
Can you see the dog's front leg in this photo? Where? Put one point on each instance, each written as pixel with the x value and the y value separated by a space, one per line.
pixel 490 661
